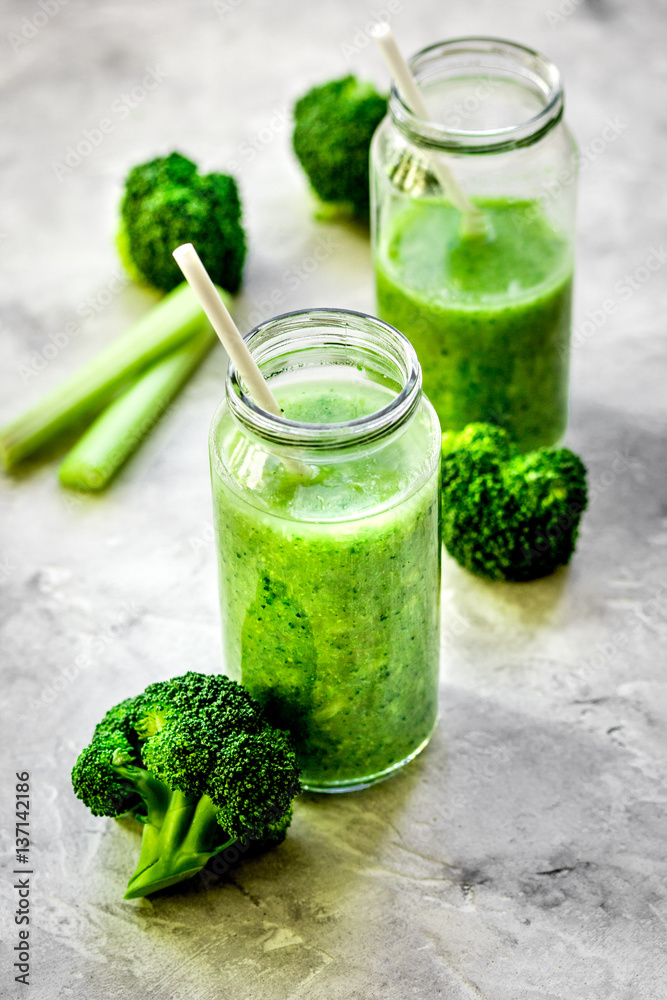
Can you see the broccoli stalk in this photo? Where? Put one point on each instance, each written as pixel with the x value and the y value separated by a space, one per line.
pixel 172 322
pixel 507 515
pixel 180 833
pixel 197 764
pixel 333 127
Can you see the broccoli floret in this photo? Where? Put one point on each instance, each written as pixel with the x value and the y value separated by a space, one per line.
pixel 333 127
pixel 507 515
pixel 166 202
pixel 195 761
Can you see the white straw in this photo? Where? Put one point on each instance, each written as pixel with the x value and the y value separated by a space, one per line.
pixel 198 278
pixel 473 222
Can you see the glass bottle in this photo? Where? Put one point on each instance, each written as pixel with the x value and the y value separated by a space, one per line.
pixel 327 533
pixel 488 315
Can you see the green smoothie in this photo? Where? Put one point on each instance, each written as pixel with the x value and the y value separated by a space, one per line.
pixel 489 318
pixel 329 583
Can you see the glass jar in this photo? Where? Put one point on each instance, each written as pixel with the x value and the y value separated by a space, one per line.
pixel 328 541
pixel 489 315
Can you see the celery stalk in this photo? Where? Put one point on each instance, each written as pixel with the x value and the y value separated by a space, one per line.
pixel 174 320
pixel 118 431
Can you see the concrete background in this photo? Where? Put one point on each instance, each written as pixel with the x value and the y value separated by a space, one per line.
pixel 523 856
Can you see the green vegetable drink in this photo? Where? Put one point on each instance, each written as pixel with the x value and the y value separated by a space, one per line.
pixel 327 527
pixel 489 317
pixel 486 308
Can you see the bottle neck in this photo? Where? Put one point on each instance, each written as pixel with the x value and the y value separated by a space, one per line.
pixel 314 339
pixel 485 96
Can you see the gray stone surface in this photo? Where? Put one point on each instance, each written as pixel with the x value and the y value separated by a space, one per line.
pixel 523 856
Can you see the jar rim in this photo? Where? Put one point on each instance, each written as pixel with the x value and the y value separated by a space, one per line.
pixel 526 63
pixel 282 334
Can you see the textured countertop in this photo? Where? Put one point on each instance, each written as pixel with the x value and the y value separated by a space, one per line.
pixel 522 857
